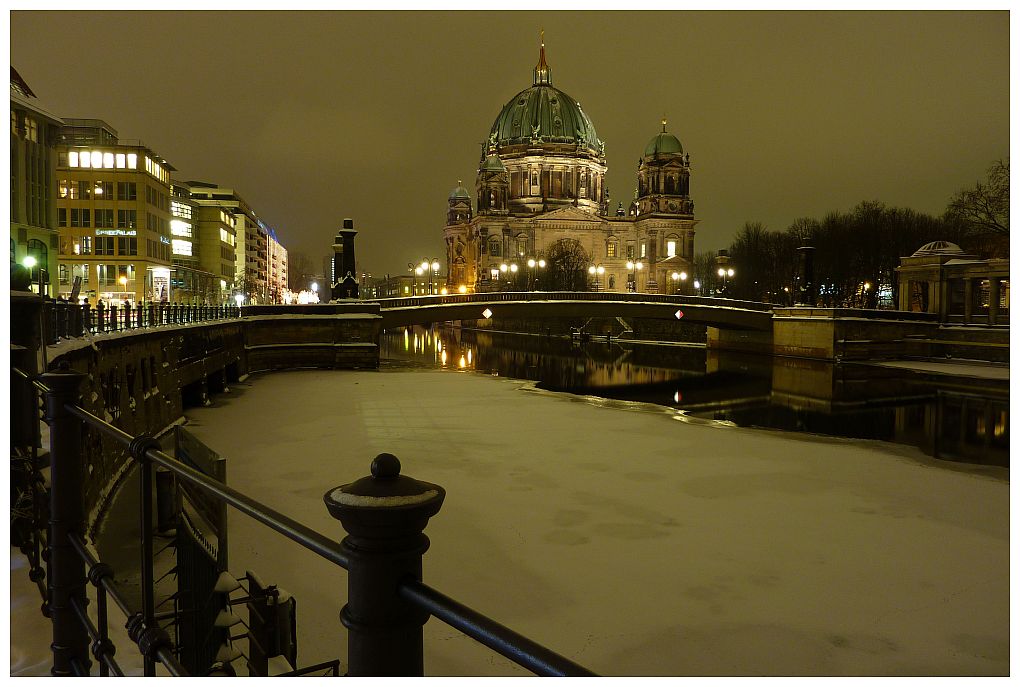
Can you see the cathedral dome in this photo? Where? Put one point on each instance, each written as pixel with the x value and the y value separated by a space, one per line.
pixel 545 113
pixel 460 193
pixel 663 143
pixel 493 164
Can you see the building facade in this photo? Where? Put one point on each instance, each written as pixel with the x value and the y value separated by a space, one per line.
pixel 940 278
pixel 35 133
pixel 189 282
pixel 113 215
pixel 277 267
pixel 541 178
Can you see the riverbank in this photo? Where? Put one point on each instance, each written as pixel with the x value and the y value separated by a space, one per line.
pixel 629 541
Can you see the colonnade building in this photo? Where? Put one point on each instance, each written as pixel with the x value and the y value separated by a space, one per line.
pixel 541 178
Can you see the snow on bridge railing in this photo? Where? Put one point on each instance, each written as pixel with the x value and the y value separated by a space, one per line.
pixel 543 296
pixel 384 515
pixel 64 320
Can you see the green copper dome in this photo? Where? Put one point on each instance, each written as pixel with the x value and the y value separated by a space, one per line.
pixel 459 193
pixel 545 113
pixel 663 143
pixel 493 164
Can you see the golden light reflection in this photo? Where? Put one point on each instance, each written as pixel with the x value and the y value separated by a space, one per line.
pixel 407 344
pixel 462 362
pixel 443 356
pixel 469 355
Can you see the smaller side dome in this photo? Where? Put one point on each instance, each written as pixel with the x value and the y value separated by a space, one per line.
pixel 493 164
pixel 938 248
pixel 663 143
pixel 460 193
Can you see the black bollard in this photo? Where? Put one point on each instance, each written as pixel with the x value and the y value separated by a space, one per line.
pixel 66 571
pixel 385 516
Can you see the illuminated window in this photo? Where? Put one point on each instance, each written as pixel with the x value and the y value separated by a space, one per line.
pixel 611 249
pixel 132 161
pixel 671 249
pixel 494 248
pixel 120 160
pixel 86 247
pixel 83 160
pixel 108 160
pixel 181 247
pixel 643 249
pixel 180 228
pixel 31 129
pixel 97 159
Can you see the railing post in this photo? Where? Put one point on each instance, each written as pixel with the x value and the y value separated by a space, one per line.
pixel 66 571
pixel 385 516
pixel 152 314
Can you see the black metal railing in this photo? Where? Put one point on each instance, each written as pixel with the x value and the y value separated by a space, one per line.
pixel 384 515
pixel 64 320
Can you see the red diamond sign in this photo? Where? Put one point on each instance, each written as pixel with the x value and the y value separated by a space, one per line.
pixel 679 314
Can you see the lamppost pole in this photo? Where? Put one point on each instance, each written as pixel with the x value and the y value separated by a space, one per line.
pixel 633 268
pixel 596 271
pixel 679 278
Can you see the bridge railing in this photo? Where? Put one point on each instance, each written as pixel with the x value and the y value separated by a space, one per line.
pixel 607 296
pixel 384 514
pixel 64 320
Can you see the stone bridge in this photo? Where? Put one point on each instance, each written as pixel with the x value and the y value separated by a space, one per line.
pixel 721 313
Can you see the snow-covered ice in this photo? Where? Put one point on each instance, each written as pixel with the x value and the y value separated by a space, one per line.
pixel 630 543
pixel 625 541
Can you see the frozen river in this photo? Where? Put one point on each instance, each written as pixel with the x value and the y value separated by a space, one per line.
pixel 627 537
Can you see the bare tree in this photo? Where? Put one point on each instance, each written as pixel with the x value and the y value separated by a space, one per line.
pixel 986 206
pixel 567 266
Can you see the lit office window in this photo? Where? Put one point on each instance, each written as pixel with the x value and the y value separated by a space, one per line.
pixel 97 159
pixel 181 247
pixel 132 160
pixel 120 160
pixel 72 159
pixel 84 160
pixel 108 160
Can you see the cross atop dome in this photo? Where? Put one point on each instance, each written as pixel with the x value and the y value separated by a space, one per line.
pixel 542 73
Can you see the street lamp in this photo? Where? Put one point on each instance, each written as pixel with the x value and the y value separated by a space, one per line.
pixel 596 271
pixel 513 275
pixel 697 286
pixel 724 274
pixel 678 279
pixel 633 268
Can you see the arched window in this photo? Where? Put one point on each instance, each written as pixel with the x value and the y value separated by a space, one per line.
pixel 494 248
pixel 612 247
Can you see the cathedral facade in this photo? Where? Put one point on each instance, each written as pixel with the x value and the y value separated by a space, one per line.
pixel 541 178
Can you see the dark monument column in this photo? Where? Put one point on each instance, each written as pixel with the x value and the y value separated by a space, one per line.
pixel 345 271
pixel 806 278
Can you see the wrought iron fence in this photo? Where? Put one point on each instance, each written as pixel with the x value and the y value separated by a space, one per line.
pixel 384 514
pixel 64 320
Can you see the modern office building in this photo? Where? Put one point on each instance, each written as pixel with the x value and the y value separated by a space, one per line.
pixel 277 267
pixel 35 132
pixel 113 215
pixel 250 246
pixel 189 282
pixel 541 178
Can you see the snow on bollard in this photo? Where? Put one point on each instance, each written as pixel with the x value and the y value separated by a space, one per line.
pixel 385 516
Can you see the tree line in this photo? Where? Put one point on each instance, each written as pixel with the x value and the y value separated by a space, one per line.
pixel 856 252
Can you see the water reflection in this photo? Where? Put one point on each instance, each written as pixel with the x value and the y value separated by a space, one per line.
pixel 948 418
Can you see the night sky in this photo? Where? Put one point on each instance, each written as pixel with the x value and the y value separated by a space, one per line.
pixel 313 117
